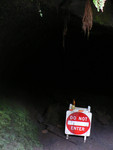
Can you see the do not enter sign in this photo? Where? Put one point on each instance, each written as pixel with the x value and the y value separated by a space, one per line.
pixel 78 123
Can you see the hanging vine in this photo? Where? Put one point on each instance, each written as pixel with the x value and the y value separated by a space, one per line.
pixel 87 18
pixel 64 33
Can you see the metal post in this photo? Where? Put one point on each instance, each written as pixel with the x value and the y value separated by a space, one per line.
pixel 89 108
pixel 84 139
pixel 67 136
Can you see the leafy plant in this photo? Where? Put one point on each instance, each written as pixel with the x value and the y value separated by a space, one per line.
pixel 99 4
pixel 17 131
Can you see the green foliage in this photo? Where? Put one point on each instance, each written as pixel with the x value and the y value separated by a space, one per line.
pixel 17 131
pixel 99 4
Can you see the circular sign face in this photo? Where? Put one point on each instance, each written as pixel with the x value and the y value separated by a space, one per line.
pixel 78 123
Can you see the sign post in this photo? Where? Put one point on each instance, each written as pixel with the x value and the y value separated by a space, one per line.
pixel 78 122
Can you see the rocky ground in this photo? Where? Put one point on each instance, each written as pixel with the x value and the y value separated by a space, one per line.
pixel 51 121
pixel 48 110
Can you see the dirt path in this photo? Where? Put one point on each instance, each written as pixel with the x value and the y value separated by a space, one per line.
pixel 101 130
pixel 101 139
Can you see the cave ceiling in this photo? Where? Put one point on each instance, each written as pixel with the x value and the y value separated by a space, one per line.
pixel 76 7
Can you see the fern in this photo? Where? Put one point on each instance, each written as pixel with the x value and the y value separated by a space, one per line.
pixel 99 4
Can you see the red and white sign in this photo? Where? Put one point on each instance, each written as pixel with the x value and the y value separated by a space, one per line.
pixel 78 123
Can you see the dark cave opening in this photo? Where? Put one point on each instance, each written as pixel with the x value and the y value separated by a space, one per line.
pixel 33 57
pixel 42 75
pixel 32 51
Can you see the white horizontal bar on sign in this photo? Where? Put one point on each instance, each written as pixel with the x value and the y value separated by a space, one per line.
pixel 78 123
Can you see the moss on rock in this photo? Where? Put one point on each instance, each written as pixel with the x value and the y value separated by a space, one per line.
pixel 17 131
